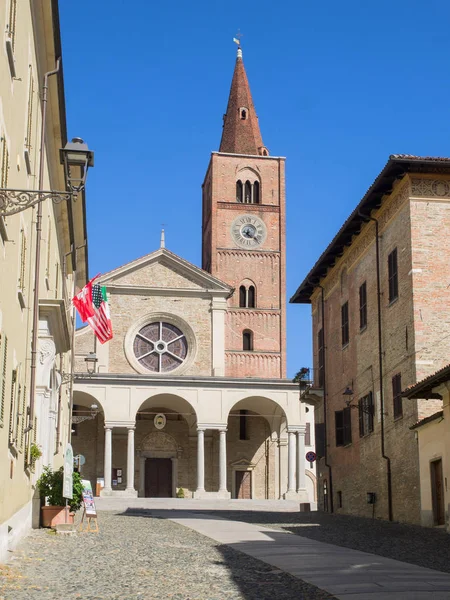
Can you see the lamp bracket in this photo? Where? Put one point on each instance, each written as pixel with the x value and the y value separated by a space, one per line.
pixel 15 201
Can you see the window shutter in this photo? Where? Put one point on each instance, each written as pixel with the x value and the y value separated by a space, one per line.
pixel 3 361
pixel 361 417
pixel 319 434
pixel 347 420
pixel 12 406
pixel 30 112
pixel 23 417
pixel 308 434
pixel 371 410
pixel 339 426
pixel 23 261
pixel 12 21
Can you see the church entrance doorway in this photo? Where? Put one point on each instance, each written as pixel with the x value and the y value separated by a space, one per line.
pixel 158 478
pixel 244 485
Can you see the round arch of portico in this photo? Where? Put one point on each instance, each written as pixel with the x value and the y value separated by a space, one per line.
pixel 87 400
pixel 271 410
pixel 172 403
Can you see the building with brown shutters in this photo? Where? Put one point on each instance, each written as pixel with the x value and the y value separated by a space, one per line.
pixel 380 295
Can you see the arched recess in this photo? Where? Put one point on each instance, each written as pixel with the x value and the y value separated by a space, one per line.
pixel 254 425
pixel 313 480
pixel 239 191
pixel 248 192
pixel 88 434
pixel 172 403
pixel 163 446
pixel 247 340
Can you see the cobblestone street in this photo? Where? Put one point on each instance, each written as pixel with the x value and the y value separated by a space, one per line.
pixel 140 558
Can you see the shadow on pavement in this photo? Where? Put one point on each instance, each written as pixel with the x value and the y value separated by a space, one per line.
pixel 426 547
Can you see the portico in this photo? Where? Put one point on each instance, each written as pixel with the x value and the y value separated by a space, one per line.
pixel 152 438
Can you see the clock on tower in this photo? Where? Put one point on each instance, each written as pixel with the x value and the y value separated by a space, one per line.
pixel 244 238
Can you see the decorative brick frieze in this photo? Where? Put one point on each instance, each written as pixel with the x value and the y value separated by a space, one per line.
pixel 430 188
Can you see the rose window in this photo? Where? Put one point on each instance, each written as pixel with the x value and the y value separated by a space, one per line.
pixel 160 347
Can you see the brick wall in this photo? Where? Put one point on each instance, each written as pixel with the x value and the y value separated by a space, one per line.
pixel 264 266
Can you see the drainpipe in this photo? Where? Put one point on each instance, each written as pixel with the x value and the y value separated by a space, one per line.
pixel 327 464
pixel 380 364
pixel 37 264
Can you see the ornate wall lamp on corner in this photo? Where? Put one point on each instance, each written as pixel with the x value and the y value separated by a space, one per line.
pixel 91 360
pixel 76 159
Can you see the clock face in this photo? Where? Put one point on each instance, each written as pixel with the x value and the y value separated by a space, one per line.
pixel 248 231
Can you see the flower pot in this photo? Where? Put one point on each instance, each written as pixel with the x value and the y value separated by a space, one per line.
pixel 55 515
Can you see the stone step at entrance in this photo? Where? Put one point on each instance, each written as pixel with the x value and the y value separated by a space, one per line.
pixel 120 503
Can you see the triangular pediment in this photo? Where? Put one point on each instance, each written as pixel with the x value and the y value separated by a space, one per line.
pixel 164 269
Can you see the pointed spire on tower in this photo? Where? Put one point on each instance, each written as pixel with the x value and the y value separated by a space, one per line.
pixel 163 239
pixel 241 134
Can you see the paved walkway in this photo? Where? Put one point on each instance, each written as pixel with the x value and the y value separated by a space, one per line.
pixel 345 573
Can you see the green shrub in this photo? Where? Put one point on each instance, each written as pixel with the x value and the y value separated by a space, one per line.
pixel 180 493
pixel 50 486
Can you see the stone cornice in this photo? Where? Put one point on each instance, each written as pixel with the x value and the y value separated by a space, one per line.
pixel 248 207
pixel 143 290
pixel 102 379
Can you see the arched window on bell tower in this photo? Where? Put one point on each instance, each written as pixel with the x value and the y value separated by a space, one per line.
pixel 248 192
pixel 239 191
pixel 242 296
pixel 247 340
pixel 256 190
pixel 251 300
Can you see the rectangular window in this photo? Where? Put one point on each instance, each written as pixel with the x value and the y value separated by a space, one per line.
pixel 243 425
pixel 308 434
pixel 363 306
pixel 393 275
pixel 366 412
pixel 397 395
pixel 343 425
pixel 320 357
pixel 344 324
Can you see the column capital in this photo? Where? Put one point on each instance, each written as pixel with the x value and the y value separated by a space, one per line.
pixel 222 430
pixel 296 428
pixel 131 427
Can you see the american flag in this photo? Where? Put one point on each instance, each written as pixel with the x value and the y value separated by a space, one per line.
pixel 101 321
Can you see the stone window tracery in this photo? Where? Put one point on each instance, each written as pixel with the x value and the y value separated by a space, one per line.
pixel 160 347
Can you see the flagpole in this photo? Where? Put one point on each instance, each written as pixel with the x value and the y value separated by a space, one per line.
pixel 72 355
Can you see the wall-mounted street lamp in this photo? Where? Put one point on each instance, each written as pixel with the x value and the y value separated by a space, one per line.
pixel 81 418
pixel 348 394
pixel 76 158
pixel 91 360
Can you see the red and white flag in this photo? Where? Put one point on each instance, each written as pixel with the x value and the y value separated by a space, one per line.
pixel 92 306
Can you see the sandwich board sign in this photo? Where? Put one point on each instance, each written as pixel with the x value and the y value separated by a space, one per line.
pixel 89 511
pixel 68 473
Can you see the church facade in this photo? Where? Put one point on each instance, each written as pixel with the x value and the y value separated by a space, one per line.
pixel 191 393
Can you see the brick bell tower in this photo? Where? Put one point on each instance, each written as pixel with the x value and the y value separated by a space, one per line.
pixel 244 238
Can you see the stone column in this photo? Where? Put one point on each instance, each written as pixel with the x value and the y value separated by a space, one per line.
pixel 223 460
pixel 301 476
pixel 108 459
pixel 130 461
pixel 291 462
pixel 200 460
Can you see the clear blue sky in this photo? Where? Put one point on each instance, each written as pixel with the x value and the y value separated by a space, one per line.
pixel 338 87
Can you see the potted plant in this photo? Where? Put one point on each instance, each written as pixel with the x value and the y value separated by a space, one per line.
pixel 50 486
